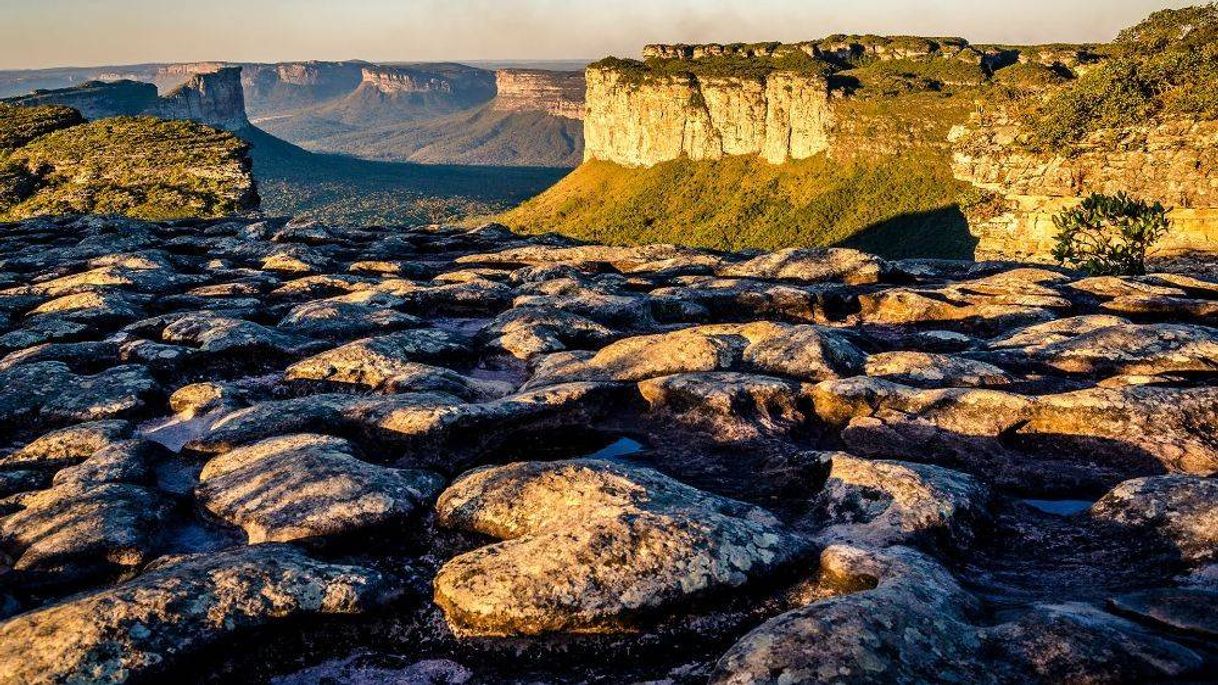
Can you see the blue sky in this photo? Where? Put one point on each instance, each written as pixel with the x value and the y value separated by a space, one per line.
pixel 40 33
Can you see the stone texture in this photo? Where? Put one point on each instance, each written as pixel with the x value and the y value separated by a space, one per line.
pixel 590 545
pixel 305 486
pixel 145 626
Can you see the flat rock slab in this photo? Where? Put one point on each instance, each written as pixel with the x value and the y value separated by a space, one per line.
pixel 48 393
pixel 307 486
pixel 145 626
pixel 374 361
pixel 77 530
pixel 589 545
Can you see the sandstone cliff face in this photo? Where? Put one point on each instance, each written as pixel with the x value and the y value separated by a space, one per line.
pixel 216 98
pixel 1174 162
pixel 392 81
pixel 558 93
pixel 634 122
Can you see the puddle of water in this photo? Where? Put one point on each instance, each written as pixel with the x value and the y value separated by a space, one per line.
pixel 622 447
pixel 462 326
pixel 1059 507
pixel 174 432
pixel 195 537
pixel 505 371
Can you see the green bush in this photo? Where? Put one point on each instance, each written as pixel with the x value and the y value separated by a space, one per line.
pixel 1109 235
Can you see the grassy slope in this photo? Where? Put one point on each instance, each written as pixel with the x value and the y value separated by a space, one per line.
pixel 295 182
pixel 903 203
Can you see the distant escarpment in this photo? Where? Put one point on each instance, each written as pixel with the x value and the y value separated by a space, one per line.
pixel 557 93
pixel 849 140
pixel 771 145
pixel 216 98
pixel 53 163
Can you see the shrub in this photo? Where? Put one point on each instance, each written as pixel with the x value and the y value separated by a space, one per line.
pixel 1109 234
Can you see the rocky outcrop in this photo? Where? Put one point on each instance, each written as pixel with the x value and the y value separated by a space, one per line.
pixel 560 93
pixel 224 445
pixel 216 98
pixel 1173 162
pixel 636 120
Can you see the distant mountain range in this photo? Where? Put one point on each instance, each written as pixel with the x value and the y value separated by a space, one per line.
pixel 439 113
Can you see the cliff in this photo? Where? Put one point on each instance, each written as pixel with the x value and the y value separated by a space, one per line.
pixel 1174 162
pixel 558 93
pixel 461 83
pixel 642 121
pixel 216 98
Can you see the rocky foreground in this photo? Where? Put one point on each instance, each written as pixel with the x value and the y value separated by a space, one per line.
pixel 238 451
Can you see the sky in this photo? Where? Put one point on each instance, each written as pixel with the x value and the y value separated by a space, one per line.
pixel 46 33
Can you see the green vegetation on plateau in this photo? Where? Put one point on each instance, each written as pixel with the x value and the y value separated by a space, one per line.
pixel 20 125
pixel 1165 66
pixel 141 167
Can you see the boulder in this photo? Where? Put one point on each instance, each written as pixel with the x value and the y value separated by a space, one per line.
pixel 48 393
pixel 373 361
pixel 811 266
pixel 590 546
pixel 306 486
pixel 524 332
pixel 220 335
pixel 727 407
pixel 926 370
pixel 342 318
pixel 907 623
pixel 1177 512
pixel 78 530
pixel 67 445
pixel 147 626
pixel 1140 429
pixel 884 503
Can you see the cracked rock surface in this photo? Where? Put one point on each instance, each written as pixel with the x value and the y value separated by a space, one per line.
pixel 282 451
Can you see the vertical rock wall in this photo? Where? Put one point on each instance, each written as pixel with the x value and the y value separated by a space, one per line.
pixel 216 99
pixel 642 121
pixel 558 93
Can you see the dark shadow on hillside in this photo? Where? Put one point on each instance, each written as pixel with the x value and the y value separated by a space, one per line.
pixel 940 233
pixel 296 182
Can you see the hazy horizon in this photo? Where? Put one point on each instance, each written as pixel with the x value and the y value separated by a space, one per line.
pixel 87 33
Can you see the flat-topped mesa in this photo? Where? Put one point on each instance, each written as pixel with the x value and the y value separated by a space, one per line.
pixel 216 99
pixel 96 99
pixel 393 80
pixel 635 118
pixel 558 93
pixel 839 49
